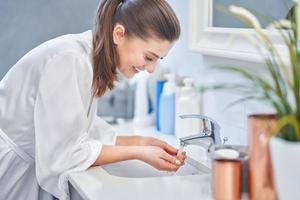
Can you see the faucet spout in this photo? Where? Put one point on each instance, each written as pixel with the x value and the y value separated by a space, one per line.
pixel 198 139
pixel 209 136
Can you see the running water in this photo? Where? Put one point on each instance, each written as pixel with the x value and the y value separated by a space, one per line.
pixel 180 150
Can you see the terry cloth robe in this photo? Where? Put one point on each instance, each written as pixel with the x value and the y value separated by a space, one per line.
pixel 48 121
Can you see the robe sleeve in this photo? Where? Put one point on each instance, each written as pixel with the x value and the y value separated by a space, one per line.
pixel 62 140
pixel 101 130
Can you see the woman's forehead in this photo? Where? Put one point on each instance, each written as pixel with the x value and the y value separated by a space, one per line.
pixel 155 46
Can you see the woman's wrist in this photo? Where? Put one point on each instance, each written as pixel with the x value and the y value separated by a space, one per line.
pixel 110 154
pixel 137 153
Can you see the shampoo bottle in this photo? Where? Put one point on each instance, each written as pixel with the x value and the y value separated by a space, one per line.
pixel 167 106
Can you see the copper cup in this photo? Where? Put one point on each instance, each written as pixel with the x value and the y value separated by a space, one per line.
pixel 227 179
pixel 261 182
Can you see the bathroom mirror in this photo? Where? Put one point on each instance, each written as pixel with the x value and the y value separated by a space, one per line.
pixel 265 11
pixel 214 31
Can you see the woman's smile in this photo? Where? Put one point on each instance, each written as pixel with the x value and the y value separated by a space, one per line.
pixel 138 69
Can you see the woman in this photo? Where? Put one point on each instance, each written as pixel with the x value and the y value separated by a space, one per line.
pixel 48 122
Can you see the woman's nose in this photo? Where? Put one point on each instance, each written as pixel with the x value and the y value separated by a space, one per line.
pixel 150 68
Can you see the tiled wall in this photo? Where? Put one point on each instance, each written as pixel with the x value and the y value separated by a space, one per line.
pixel 181 60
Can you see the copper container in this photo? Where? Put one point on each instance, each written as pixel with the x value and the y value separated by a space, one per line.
pixel 227 179
pixel 261 182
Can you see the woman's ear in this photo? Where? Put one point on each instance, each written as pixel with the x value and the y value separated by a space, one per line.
pixel 118 34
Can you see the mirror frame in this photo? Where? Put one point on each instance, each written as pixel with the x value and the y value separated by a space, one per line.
pixel 224 42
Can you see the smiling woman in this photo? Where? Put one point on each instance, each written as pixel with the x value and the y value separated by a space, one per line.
pixel 48 121
pixel 142 56
pixel 122 40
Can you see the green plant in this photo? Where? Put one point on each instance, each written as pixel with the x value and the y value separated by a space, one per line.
pixel 281 88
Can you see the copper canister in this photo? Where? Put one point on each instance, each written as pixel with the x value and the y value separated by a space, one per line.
pixel 261 182
pixel 227 179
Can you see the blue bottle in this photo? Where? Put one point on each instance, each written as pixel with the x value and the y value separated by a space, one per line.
pixel 167 106
pixel 159 89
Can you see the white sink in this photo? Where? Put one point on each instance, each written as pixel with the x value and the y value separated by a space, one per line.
pixel 139 169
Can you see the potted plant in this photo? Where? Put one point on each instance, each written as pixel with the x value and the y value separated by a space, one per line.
pixel 281 90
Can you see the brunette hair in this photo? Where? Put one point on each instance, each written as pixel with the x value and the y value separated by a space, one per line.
pixel 141 18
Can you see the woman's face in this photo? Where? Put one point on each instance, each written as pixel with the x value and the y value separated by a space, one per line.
pixel 136 54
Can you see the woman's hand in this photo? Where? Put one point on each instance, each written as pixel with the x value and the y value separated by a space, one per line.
pixel 151 141
pixel 160 159
pixel 174 161
pixel 155 152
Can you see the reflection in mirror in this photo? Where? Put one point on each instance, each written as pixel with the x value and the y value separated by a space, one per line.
pixel 265 10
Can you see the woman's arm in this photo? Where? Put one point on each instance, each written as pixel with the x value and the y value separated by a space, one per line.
pixel 110 154
pixel 153 155
pixel 129 140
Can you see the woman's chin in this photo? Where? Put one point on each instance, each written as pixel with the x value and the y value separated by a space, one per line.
pixel 129 75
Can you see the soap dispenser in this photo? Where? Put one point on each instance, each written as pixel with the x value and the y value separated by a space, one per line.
pixel 188 102
pixel 167 106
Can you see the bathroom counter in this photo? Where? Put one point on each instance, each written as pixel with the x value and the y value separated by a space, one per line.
pixel 96 183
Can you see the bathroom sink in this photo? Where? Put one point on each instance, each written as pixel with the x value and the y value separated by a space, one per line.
pixel 139 169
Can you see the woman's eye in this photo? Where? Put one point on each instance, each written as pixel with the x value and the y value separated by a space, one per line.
pixel 149 59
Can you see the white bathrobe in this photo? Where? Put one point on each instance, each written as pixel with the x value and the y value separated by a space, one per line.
pixel 48 122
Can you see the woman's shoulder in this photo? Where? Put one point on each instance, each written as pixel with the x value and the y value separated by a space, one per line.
pixel 69 55
pixel 66 44
pixel 67 51
pixel 77 44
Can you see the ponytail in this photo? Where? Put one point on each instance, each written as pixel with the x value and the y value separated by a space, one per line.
pixel 104 52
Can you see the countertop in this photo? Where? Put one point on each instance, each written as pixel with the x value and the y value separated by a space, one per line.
pixel 96 183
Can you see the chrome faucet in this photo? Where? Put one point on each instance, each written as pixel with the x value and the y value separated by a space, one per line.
pixel 210 135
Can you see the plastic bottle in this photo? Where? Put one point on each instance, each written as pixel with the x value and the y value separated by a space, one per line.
pixel 188 102
pixel 167 106
pixel 142 111
pixel 157 80
pixel 159 89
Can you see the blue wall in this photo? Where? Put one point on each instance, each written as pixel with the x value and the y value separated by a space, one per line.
pixel 25 24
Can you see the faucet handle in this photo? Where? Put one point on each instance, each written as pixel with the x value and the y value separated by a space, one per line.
pixel 209 124
pixel 225 139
